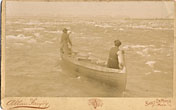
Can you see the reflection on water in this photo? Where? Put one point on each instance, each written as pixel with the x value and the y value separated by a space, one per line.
pixel 33 60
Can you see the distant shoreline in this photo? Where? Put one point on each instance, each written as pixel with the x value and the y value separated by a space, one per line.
pixel 83 0
pixel 101 17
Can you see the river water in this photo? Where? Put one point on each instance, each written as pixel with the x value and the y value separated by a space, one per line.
pixel 33 59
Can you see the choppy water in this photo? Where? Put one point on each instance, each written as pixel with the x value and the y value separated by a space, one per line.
pixel 33 61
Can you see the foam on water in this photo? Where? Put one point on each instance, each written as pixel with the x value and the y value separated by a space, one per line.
pixel 156 71
pixel 103 25
pixel 150 63
pixel 148 27
pixel 33 29
pixel 137 46
pixel 121 29
pixel 54 32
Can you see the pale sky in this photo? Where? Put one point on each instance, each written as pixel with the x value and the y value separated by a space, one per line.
pixel 133 9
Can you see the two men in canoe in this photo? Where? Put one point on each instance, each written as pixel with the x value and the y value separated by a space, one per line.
pixel 115 59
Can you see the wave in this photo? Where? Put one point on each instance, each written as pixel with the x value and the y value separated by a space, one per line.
pixel 150 63
pixel 147 50
pixel 48 42
pixel 148 27
pixel 136 46
pixel 32 41
pixel 18 37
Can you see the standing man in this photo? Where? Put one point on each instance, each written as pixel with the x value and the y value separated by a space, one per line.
pixel 65 42
pixel 115 55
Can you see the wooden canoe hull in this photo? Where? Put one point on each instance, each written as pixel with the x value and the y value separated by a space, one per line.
pixel 102 74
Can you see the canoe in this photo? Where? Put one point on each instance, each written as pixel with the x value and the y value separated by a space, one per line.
pixel 84 66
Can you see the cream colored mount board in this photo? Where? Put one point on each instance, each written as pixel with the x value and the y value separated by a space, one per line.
pixel 57 55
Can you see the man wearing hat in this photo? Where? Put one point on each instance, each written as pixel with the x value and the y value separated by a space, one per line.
pixel 65 42
pixel 115 52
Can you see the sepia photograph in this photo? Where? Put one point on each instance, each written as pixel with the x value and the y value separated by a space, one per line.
pixel 77 48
